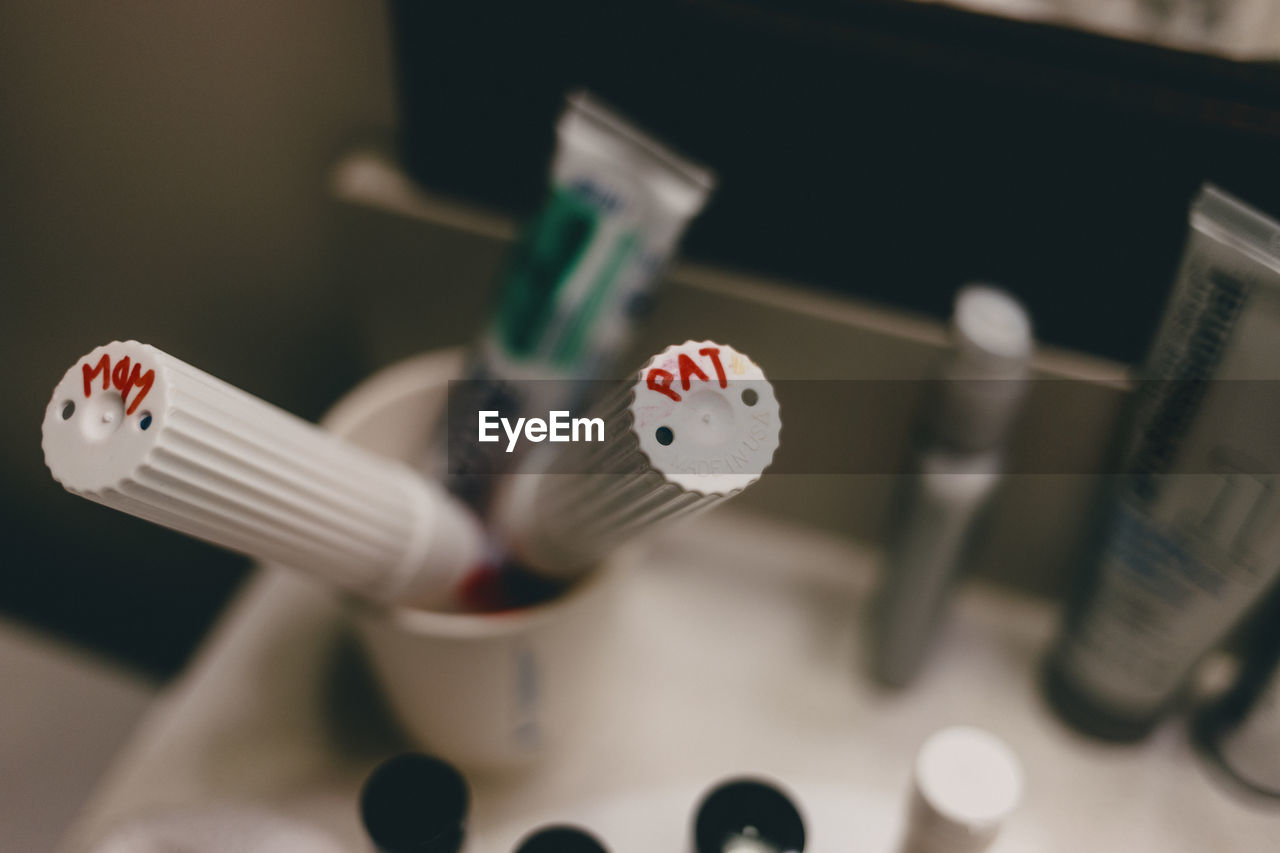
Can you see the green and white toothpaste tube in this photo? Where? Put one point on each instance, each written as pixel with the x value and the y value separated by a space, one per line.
pixel 577 283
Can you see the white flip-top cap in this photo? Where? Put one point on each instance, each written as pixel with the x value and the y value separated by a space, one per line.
pixel 967 782
pixel 136 429
pixel 992 331
pixel 985 374
pixel 706 417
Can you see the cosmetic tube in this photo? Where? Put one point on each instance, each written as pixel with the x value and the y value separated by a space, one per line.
pixel 956 469
pixel 1190 540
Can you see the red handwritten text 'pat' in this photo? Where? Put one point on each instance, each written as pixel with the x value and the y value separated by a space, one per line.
pixel 661 380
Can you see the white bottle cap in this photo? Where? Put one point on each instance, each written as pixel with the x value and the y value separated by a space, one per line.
pixel 966 783
pixel 142 432
pixel 984 378
pixel 992 331
pixel 706 417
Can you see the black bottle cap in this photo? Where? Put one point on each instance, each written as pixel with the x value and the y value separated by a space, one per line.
pixel 560 838
pixel 747 808
pixel 415 803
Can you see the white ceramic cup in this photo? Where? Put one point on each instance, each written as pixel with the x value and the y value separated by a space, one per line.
pixel 483 691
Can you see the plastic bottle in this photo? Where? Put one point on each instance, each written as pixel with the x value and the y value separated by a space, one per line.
pixel 957 467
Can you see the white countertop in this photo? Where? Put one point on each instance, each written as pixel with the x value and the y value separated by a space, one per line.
pixel 737 650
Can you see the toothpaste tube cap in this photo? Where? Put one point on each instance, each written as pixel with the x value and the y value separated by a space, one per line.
pixel 106 416
pixel 706 417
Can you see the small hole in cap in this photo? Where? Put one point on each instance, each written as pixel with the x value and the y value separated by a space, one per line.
pixel 144 422
pixel 665 436
pixel 750 397
pixel 68 409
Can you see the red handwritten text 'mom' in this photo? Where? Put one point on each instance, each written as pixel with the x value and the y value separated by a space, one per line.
pixel 121 376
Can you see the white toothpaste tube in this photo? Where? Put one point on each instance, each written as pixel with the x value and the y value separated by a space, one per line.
pixel 134 428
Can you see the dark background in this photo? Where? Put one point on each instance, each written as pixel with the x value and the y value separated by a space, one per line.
pixel 887 150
